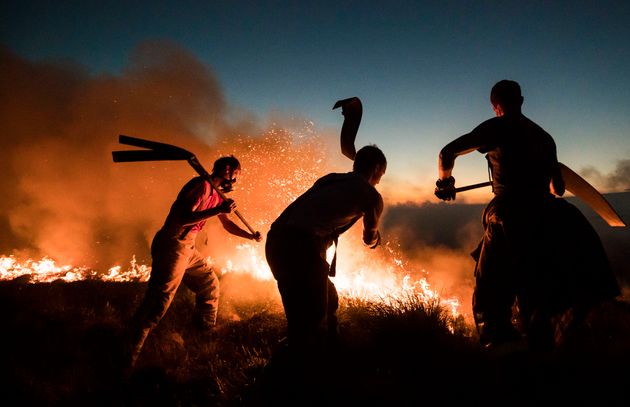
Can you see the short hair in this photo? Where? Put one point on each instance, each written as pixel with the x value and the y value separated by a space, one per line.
pixel 368 158
pixel 222 163
pixel 506 93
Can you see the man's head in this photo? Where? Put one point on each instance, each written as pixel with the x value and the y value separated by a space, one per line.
pixel 371 163
pixel 506 97
pixel 225 171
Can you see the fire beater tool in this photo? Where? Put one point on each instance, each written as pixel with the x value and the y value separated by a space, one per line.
pixel 156 151
pixel 352 110
pixel 582 189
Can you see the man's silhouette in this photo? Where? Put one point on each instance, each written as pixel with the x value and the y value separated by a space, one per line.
pixel 297 243
pixel 537 249
pixel 175 258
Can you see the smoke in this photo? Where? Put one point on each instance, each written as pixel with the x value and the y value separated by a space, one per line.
pixel 63 195
pixel 65 198
pixel 617 180
pixel 438 238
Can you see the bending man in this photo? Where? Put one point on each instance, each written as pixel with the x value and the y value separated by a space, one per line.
pixel 176 260
pixel 297 243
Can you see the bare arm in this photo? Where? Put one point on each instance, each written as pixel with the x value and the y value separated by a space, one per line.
pixel 460 146
pixel 445 185
pixel 188 216
pixel 371 235
pixel 236 230
pixel 557 182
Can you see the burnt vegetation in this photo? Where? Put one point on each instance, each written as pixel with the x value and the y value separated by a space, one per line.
pixel 61 346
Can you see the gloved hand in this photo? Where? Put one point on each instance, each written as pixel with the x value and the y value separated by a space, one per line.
pixel 445 189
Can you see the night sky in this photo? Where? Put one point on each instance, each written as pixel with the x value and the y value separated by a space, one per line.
pixel 422 69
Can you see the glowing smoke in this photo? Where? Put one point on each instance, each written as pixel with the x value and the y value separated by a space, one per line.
pixel 66 199
pixel 63 195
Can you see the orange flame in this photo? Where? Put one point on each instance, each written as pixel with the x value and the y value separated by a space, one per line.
pixel 371 278
pixel 278 167
pixel 46 270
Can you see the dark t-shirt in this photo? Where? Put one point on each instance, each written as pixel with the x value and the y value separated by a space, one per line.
pixel 522 156
pixel 333 204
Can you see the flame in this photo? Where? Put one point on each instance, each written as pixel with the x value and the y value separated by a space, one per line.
pixel 285 163
pixel 46 270
pixel 380 276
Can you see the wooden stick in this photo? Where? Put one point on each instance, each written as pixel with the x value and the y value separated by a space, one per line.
pixel 156 151
pixel 473 186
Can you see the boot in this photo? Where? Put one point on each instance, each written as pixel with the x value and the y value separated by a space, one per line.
pixel 205 323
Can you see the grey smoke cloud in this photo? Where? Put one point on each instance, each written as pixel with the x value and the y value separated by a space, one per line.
pixel 617 180
pixel 438 237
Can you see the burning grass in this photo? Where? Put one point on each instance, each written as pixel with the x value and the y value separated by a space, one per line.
pixel 61 345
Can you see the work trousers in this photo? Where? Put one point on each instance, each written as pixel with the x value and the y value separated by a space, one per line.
pixel 543 254
pixel 297 261
pixel 175 261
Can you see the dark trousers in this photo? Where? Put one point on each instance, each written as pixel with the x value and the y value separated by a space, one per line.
pixel 310 300
pixel 543 254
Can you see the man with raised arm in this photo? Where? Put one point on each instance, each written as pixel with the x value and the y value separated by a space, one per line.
pixel 297 243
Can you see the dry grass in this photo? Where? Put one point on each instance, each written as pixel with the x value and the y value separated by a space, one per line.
pixel 60 347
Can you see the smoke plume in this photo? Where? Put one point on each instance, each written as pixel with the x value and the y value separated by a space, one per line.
pixel 617 180
pixel 65 198
pixel 439 238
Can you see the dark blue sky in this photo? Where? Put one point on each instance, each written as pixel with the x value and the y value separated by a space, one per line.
pixel 422 69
